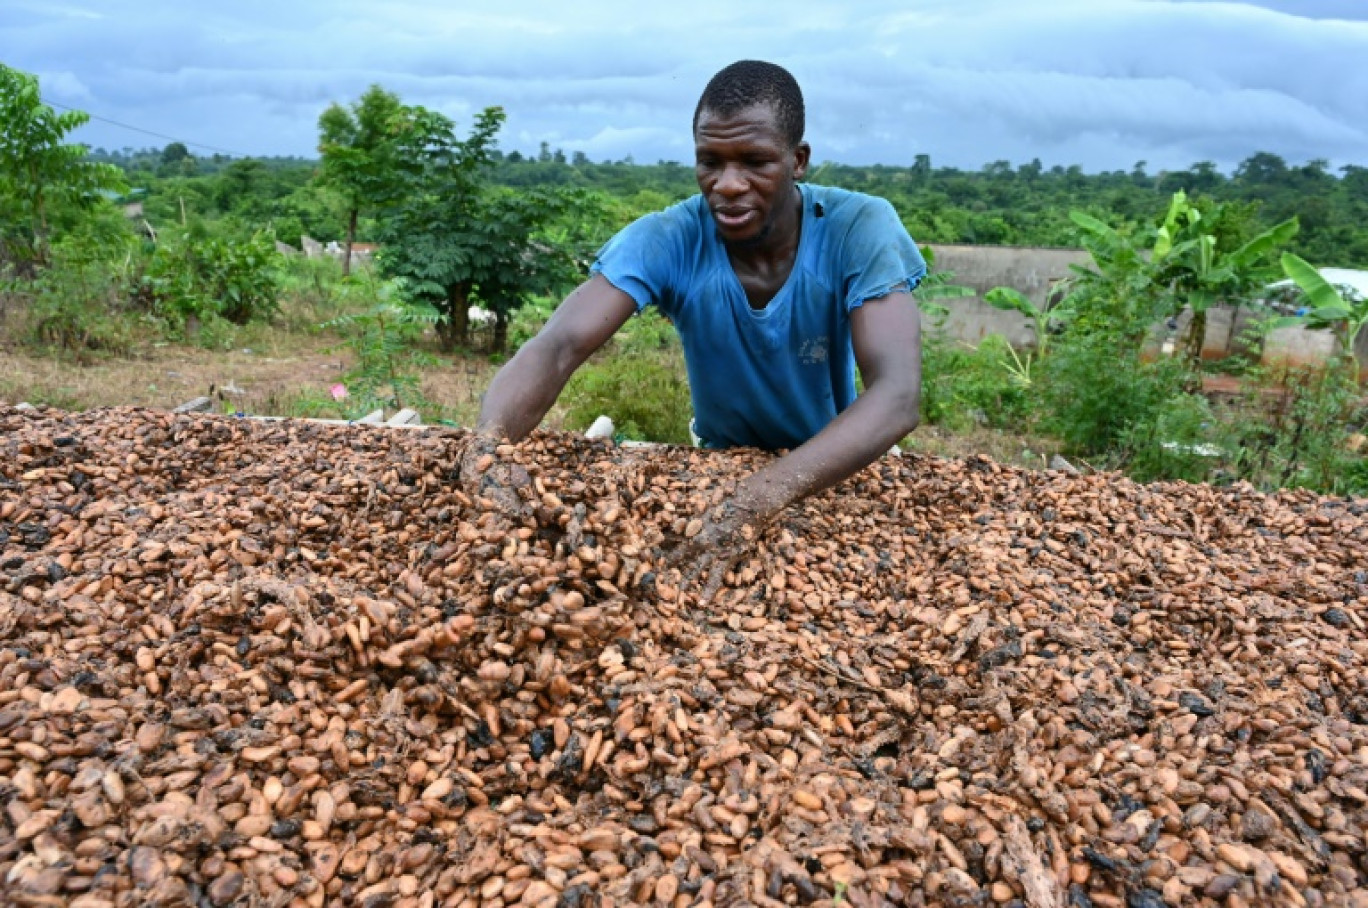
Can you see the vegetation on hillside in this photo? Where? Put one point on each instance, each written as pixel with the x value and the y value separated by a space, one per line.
pixel 461 224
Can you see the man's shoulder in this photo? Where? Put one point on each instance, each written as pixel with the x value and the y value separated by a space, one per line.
pixel 680 219
pixel 845 203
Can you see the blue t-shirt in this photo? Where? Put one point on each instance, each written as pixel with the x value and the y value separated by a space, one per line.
pixel 772 377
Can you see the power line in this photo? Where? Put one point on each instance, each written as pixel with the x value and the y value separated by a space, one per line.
pixel 149 132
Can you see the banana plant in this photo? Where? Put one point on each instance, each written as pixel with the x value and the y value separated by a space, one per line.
pixel 1009 299
pixel 1345 315
pixel 935 287
pixel 1187 258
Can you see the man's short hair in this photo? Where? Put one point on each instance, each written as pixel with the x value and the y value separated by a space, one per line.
pixel 749 82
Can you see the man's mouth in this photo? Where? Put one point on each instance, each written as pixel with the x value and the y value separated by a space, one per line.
pixel 734 218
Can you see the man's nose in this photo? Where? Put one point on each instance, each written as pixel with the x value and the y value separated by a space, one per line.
pixel 732 180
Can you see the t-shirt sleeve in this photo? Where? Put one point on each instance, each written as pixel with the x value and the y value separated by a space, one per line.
pixel 878 256
pixel 640 260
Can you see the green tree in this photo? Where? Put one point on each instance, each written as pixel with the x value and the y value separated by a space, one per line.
pixel 457 240
pixel 38 169
pixel 360 154
pixel 1205 254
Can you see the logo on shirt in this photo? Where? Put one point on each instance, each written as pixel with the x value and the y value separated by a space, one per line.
pixel 813 351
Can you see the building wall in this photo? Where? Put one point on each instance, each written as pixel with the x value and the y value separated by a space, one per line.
pixel 1033 270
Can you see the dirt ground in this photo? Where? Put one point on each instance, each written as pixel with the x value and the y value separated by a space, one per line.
pixel 271 382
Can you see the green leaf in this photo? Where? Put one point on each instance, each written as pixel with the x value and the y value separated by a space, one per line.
pixel 1012 300
pixel 1319 291
pixel 1092 224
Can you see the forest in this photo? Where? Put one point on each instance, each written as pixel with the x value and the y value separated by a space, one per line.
pixel 110 255
pixel 1000 204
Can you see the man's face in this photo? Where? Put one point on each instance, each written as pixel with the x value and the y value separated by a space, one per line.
pixel 746 171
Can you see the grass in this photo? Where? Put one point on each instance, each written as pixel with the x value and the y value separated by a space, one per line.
pixel 996 444
pixel 287 369
pixel 281 369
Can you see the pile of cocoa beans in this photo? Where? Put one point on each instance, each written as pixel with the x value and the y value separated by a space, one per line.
pixel 291 664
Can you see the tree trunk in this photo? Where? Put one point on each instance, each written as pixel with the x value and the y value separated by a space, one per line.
pixel 1196 338
pixel 351 238
pixel 501 320
pixel 454 329
pixel 41 234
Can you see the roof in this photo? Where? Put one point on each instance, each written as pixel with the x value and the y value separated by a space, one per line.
pixel 1356 281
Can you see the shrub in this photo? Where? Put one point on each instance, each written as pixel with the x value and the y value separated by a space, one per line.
pixel 197 277
pixel 75 308
pixel 76 304
pixel 963 386
pixel 640 382
pixel 1293 429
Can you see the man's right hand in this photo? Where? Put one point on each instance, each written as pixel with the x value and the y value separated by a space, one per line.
pixel 485 474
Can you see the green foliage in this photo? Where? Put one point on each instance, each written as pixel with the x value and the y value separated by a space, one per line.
pixel 382 337
pixel 39 169
pixel 314 286
pixel 1172 441
pixel 965 386
pixel 74 308
pixel 363 153
pixel 639 382
pixel 1293 429
pixel 1345 314
pixel 75 305
pixel 196 277
pixel 935 287
pixel 459 241
pixel 1097 393
pixel 1205 253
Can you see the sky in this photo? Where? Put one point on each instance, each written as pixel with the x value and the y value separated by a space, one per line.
pixel 1099 83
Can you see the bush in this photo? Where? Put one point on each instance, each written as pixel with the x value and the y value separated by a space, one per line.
pixel 76 309
pixel 197 277
pixel 1172 441
pixel 963 386
pixel 1097 395
pixel 640 382
pixel 1293 429
pixel 76 304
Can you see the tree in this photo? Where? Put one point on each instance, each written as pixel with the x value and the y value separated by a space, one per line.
pixel 359 148
pixel 174 153
pixel 38 169
pixel 457 240
pixel 1205 254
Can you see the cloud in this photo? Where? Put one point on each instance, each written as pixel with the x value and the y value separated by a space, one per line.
pixel 1102 83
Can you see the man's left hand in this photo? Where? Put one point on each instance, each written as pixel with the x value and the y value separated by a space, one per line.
pixel 730 531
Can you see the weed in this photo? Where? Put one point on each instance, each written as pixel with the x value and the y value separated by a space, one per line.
pixel 640 382
pixel 382 338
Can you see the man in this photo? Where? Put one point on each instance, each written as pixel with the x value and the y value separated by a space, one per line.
pixel 777 290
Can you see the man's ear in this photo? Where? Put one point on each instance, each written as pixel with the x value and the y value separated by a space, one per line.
pixel 802 153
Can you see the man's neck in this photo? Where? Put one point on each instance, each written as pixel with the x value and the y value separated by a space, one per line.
pixel 778 246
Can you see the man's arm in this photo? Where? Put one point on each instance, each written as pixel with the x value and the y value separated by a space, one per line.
pixel 527 386
pixel 886 333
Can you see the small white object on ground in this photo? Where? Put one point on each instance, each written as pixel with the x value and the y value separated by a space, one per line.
pixel 602 428
pixel 1059 463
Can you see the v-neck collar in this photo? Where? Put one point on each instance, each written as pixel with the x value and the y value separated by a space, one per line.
pixel 804 238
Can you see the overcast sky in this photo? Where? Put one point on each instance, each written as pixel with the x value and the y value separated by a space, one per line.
pixel 1101 83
